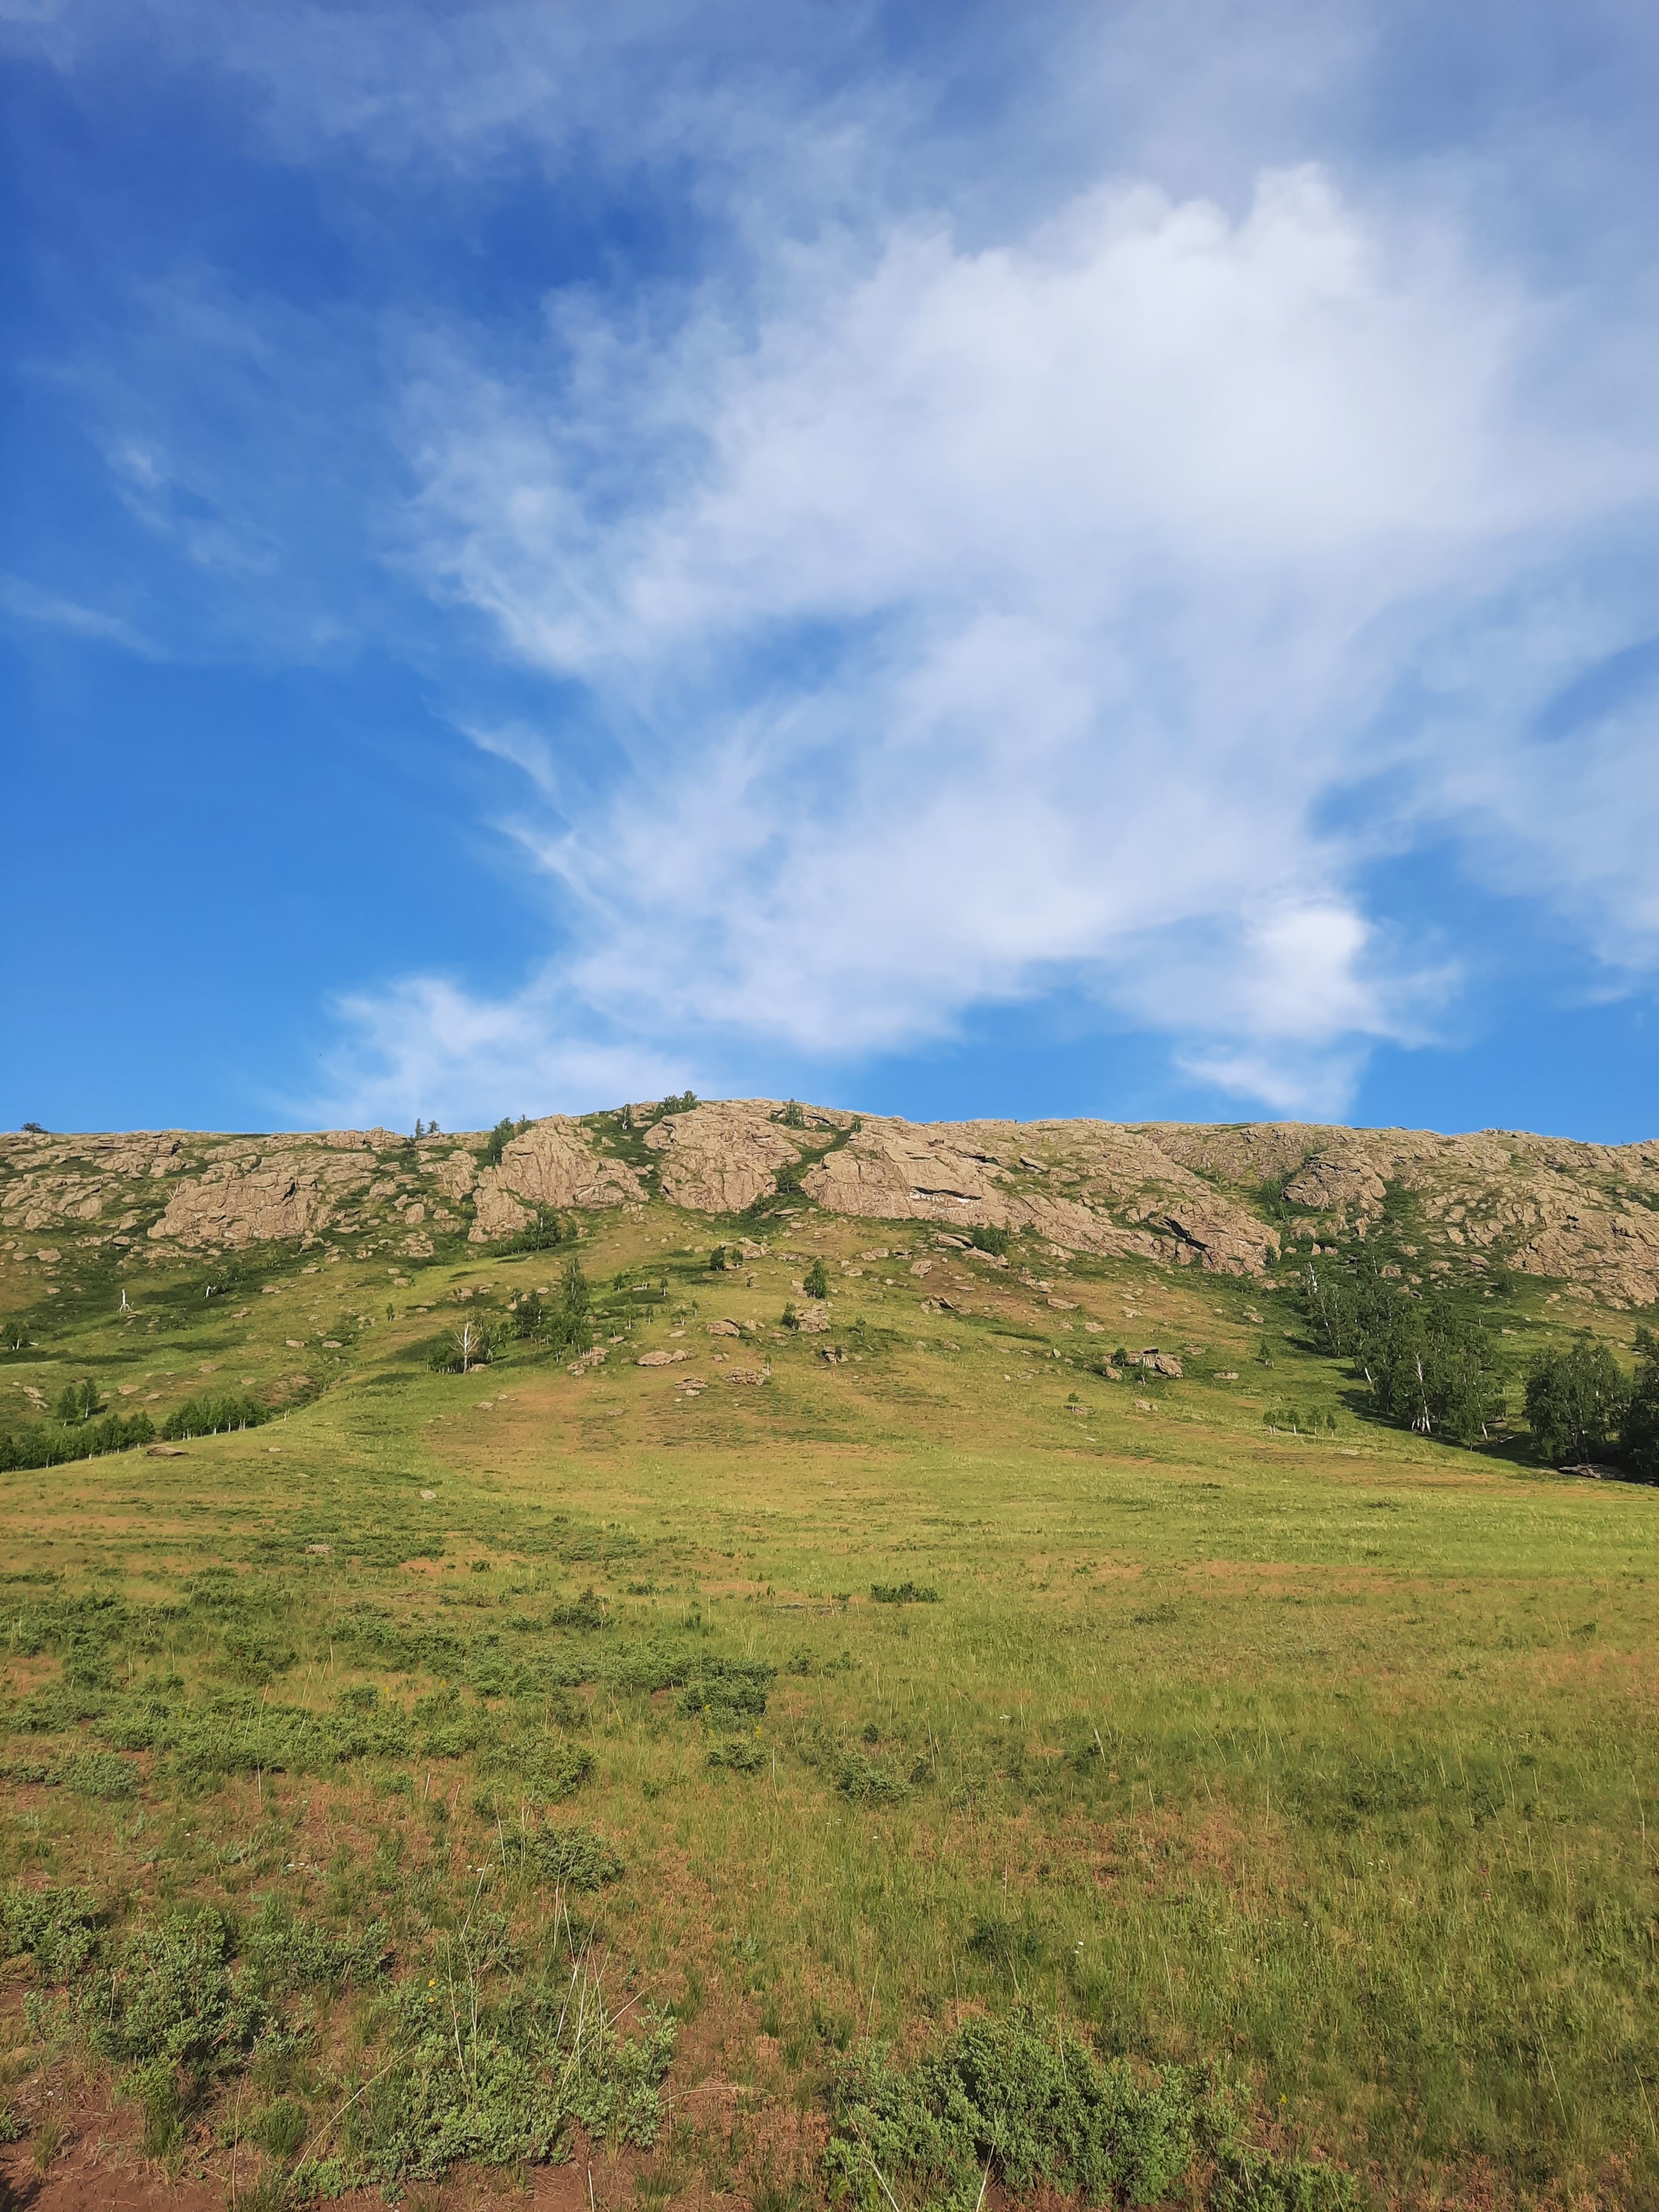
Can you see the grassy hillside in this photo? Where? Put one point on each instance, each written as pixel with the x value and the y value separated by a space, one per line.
pixel 459 1771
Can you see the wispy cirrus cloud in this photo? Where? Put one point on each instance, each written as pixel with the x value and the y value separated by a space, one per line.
pixel 29 603
pixel 969 619
pixel 1062 513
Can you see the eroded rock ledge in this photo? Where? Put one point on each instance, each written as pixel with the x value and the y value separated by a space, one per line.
pixel 1180 1194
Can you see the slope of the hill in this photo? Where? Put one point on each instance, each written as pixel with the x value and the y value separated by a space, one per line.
pixel 1048 1632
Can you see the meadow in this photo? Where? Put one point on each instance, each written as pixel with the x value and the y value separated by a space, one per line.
pixel 468 1784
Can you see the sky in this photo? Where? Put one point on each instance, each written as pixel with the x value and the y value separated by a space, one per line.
pixel 948 560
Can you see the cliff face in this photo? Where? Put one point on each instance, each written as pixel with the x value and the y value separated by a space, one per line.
pixel 1213 1198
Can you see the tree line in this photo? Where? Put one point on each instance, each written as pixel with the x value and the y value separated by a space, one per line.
pixel 1430 1368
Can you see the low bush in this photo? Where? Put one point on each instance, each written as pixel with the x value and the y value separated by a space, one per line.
pixel 742 1754
pixel 57 1927
pixel 568 1858
pixel 724 1690
pixel 1032 2105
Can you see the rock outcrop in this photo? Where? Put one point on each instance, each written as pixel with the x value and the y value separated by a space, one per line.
pixel 720 1158
pixel 1179 1194
pixel 553 1164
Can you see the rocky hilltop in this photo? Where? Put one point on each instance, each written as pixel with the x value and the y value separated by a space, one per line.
pixel 1225 1199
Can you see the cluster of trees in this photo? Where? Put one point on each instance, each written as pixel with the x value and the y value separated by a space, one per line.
pixel 214 1411
pixel 1427 1366
pixel 78 1401
pixel 562 1324
pixel 501 1136
pixel 38 1445
pixel 1313 1423
pixel 426 1129
pixel 1433 1370
pixel 1581 1405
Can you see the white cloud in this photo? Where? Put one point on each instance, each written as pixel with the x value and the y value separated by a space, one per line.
pixel 969 618
pixel 431 1049
pixel 1065 538
pixel 29 603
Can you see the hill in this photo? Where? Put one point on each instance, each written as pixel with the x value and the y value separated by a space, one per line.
pixel 610 1626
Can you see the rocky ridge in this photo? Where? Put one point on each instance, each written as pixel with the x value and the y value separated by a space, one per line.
pixel 1221 1198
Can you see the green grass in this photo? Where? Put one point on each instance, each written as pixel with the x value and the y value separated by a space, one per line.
pixel 1311 1775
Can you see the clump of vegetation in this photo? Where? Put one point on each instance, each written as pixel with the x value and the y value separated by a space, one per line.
pixel 501 1137
pixel 565 1321
pixel 471 1343
pixel 1426 1367
pixel 1031 2104
pixel 1582 1407
pixel 904 1593
pixel 722 1691
pixel 1577 1402
pixel 742 1754
pixel 212 1412
pixel 682 1102
pixel 569 1857
pixel 816 1281
pixel 1640 1431
pixel 546 1232
pixel 57 1928
pixel 1291 1420
pixel 78 1401
pixel 36 1445
pixel 984 1238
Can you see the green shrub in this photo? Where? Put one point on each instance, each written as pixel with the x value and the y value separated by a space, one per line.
pixel 174 2000
pixel 497 2080
pixel 904 1593
pixel 98 1774
pixel 59 1929
pixel 816 1281
pixel 859 1777
pixel 1260 2181
pixel 283 1953
pixel 1031 2105
pixel 570 1858
pixel 986 1239
pixel 724 1690
pixel 743 1754
pixel 563 1771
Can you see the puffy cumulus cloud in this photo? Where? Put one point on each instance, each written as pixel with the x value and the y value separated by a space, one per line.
pixel 970 617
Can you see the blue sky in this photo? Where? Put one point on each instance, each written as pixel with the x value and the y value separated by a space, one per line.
pixel 1058 560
